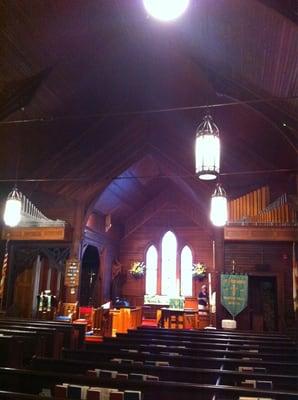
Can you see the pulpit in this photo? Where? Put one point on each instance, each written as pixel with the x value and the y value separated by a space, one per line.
pixel 125 318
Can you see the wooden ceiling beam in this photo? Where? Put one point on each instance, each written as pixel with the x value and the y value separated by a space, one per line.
pixel 15 95
pixel 171 195
pixel 92 193
pixel 272 112
pixel 183 177
pixel 140 217
pixel 110 153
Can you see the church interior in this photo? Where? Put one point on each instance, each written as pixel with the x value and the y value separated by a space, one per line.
pixel 149 199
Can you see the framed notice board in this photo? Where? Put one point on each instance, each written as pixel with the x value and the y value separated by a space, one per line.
pixel 72 273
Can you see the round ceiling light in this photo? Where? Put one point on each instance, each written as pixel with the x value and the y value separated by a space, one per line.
pixel 165 10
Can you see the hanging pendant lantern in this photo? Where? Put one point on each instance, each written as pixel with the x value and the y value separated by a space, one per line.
pixel 166 10
pixel 207 149
pixel 219 207
pixel 12 212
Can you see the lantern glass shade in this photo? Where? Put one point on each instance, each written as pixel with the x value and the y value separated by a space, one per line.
pixel 165 10
pixel 207 149
pixel 12 211
pixel 219 207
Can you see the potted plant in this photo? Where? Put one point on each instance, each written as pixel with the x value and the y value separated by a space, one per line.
pixel 138 269
pixel 199 271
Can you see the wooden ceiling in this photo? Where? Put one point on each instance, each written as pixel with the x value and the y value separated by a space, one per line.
pixel 86 66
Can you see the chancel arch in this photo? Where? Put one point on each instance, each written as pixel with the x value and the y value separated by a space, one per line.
pixel 90 277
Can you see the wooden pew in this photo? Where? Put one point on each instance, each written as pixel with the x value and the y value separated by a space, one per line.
pixel 73 334
pixel 10 395
pixel 227 377
pixel 179 374
pixel 195 344
pixel 30 381
pixel 156 349
pixel 272 337
pixel 182 361
pixel 185 335
pixel 33 343
pixel 223 332
pixel 53 339
pixel 11 351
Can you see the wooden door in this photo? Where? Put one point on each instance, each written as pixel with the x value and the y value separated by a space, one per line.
pixel 262 299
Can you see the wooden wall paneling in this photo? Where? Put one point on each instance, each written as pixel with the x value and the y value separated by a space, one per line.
pixel 44 274
pixel 108 248
pixel 264 259
pixel 133 247
pixel 36 280
pixel 139 218
pixel 53 283
pixel 261 233
pixel 23 292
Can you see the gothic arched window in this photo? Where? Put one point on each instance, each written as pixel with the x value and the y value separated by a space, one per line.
pixel 169 271
pixel 151 270
pixel 169 285
pixel 186 272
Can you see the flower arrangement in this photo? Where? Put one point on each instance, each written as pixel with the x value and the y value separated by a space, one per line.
pixel 138 269
pixel 199 271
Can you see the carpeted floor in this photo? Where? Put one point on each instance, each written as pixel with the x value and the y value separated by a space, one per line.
pixel 149 322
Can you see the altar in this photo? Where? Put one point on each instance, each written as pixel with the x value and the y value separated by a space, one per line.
pixel 175 318
pixel 175 313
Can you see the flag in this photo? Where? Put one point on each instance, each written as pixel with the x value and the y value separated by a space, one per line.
pixel 234 292
pixel 4 271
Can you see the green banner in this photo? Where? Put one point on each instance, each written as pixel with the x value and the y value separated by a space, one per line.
pixel 234 292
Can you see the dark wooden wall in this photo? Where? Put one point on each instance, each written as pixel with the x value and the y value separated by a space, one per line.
pixel 107 244
pixel 263 259
pixel 133 247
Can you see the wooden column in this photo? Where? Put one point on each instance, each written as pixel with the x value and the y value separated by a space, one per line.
pixel 219 268
pixel 72 293
pixel 36 277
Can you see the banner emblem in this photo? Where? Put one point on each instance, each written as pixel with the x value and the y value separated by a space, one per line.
pixel 234 289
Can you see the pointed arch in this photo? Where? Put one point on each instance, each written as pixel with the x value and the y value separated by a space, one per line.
pixel 168 264
pixel 186 271
pixel 151 270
